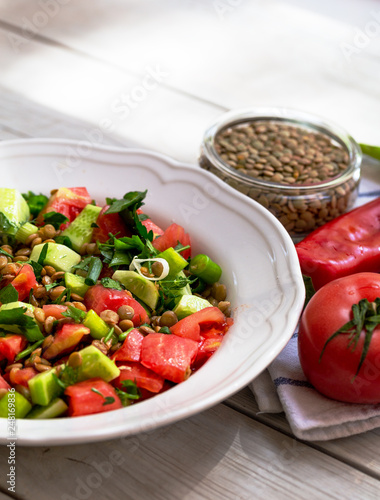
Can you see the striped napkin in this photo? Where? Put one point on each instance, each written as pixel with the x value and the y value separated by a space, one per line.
pixel 284 388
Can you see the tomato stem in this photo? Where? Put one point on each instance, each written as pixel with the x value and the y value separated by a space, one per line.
pixel 366 317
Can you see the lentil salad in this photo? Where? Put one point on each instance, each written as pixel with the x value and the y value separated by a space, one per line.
pixel 100 308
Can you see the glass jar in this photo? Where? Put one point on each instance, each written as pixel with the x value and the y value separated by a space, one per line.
pixel 300 207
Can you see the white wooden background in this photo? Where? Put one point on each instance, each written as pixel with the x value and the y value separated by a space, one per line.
pixel 70 68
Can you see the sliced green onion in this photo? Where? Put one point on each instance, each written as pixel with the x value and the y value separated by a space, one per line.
pixel 109 335
pixel 202 266
pixel 124 335
pixel 135 265
pixel 94 269
pixel 28 350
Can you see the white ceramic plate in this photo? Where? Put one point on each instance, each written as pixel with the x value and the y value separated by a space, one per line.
pixel 259 262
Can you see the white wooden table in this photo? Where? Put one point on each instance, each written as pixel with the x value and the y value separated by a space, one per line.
pixel 155 74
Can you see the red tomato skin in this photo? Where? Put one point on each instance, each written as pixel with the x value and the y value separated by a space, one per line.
pixel 4 384
pixel 21 377
pixel 172 235
pixel 109 223
pixel 100 298
pixel 168 355
pixel 65 340
pixel 328 310
pixel 11 345
pixel 131 348
pixel 84 401
pixel 143 377
pixel 191 326
pixel 24 282
pixel 150 225
pixel 66 201
pixel 207 346
pixel 54 310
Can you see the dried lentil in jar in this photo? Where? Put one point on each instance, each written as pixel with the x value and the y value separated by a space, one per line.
pixel 303 173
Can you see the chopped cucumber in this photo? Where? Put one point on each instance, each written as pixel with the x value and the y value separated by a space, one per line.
pixel 76 283
pixel 80 230
pixel 190 304
pixel 175 260
pixel 96 364
pixel 13 399
pixel 14 210
pixel 13 305
pixel 59 256
pixel 144 289
pixel 25 231
pixel 44 387
pixel 98 327
pixel 55 408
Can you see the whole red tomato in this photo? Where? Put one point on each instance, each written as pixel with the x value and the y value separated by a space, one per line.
pixel 333 373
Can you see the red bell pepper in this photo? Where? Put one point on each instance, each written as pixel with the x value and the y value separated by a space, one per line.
pixel 346 245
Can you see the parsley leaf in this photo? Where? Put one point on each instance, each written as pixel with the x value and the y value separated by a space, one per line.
pixel 170 287
pixel 8 294
pixel 108 400
pixel 132 199
pixel 64 240
pixel 165 329
pixel 130 392
pixel 43 254
pixel 24 323
pixel 76 314
pixel 36 202
pixel 55 219
pixel 67 376
pixel 37 268
pixel 110 283
pixel 3 252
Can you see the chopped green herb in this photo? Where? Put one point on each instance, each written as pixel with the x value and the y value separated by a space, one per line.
pixel 131 392
pixel 67 376
pixel 37 268
pixel 36 202
pixel 8 294
pixel 66 292
pixel 27 325
pixel 28 350
pixel 5 225
pixel 76 314
pixel 43 254
pixel 108 400
pixel 164 329
pixel 94 269
pixel 124 335
pixel 55 219
pixel 3 252
pixel 110 283
pixel 132 199
pixel 64 240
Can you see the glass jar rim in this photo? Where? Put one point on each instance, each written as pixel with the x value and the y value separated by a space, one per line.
pixel 298 118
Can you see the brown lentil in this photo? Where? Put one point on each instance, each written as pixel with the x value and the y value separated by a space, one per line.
pixel 101 346
pixel 24 391
pixel 36 241
pixel 49 270
pixel 219 291
pixel 3 261
pixel 168 318
pixel 110 317
pixel 13 365
pixel 57 276
pixel 54 293
pixel 125 324
pixel 77 298
pixel 41 367
pixel 79 305
pixel 48 324
pixel 295 157
pixel 157 268
pixel 125 312
pixel 146 330
pixel 75 360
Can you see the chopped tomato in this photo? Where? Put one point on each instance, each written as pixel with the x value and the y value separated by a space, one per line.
pixel 4 384
pixel 11 345
pixel 84 397
pixel 24 282
pixel 173 235
pixel 65 340
pixel 66 201
pixel 191 326
pixel 100 298
pixel 131 348
pixel 21 377
pixel 150 225
pixel 207 346
pixel 54 310
pixel 143 377
pixel 109 223
pixel 168 355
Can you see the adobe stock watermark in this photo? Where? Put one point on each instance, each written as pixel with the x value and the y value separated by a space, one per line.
pixel 12 439
pixel 31 26
pixel 225 7
pixel 120 108
pixel 362 37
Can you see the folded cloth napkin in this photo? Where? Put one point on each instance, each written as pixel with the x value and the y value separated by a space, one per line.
pixel 312 417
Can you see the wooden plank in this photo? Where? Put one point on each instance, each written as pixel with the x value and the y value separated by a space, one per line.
pixel 217 455
pixel 106 98
pixel 249 53
pixel 360 451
